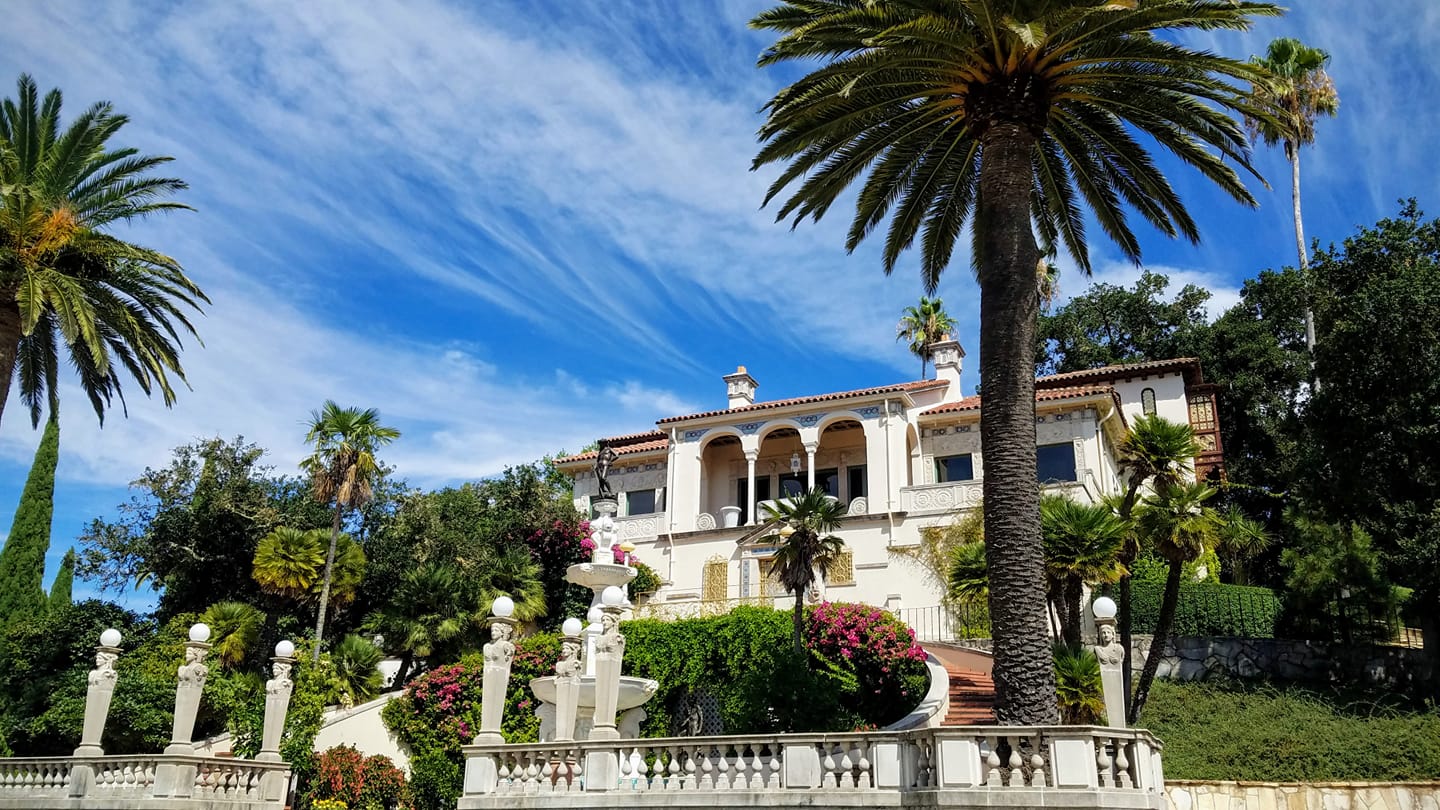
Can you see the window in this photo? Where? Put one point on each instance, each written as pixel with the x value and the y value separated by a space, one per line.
pixel 828 480
pixel 1147 401
pixel 1055 462
pixel 1202 412
pixel 856 474
pixel 640 502
pixel 762 493
pixel 954 468
pixel 792 485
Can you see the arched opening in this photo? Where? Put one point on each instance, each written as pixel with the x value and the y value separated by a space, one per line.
pixel 722 460
pixel 841 467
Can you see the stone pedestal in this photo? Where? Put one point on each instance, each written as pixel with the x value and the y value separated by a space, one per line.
pixel 99 690
pixel 1112 672
pixel 609 651
pixel 567 688
pixel 277 704
pixel 499 653
pixel 192 676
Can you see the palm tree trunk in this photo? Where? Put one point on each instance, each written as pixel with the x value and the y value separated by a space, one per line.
pixel 1024 669
pixel 1074 589
pixel 325 588
pixel 406 661
pixel 1293 152
pixel 10 333
pixel 1157 644
pixel 799 619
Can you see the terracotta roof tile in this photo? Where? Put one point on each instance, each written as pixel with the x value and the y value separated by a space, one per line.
pixel 1047 395
pixel 1189 365
pixel 661 443
pixel 909 387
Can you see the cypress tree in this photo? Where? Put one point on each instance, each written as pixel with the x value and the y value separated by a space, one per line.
pixel 60 588
pixel 22 562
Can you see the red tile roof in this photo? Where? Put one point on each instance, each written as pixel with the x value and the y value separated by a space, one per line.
pixel 1189 365
pixel 1047 395
pixel 658 442
pixel 910 387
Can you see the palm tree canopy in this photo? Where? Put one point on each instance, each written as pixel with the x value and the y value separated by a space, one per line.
pixel 1082 541
pixel 1296 91
pixel 235 630
pixel 288 561
pixel 909 88
pixel 969 574
pixel 1241 536
pixel 428 609
pixel 1158 450
pixel 112 305
pixel 802 537
pixel 342 468
pixel 355 664
pixel 924 325
pixel 1177 523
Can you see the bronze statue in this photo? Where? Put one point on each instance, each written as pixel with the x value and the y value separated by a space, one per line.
pixel 603 462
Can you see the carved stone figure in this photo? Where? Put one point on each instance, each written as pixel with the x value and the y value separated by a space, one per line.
pixel 568 666
pixel 610 640
pixel 193 671
pixel 281 682
pixel 104 671
pixel 603 462
pixel 500 650
pixel 1109 650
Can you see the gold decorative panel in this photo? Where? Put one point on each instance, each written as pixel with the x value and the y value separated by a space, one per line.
pixel 843 571
pixel 715 580
pixel 769 581
pixel 1202 412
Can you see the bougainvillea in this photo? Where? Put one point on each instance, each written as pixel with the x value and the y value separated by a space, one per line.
pixel 346 778
pixel 888 665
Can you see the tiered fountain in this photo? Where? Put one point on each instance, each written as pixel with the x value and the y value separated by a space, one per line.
pixel 600 573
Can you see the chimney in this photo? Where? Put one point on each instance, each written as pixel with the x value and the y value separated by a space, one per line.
pixel 946 354
pixel 740 388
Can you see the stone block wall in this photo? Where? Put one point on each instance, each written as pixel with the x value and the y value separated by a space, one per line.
pixel 1189 658
pixel 1190 795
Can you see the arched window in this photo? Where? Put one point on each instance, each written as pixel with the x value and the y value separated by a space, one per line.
pixel 1147 401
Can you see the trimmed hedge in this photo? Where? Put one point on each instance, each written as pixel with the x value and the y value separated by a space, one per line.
pixel 1240 611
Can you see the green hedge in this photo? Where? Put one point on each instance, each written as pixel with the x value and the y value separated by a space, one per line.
pixel 1209 610
pixel 1247 732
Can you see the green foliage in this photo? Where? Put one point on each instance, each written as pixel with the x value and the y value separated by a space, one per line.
pixel 288 562
pixel 345 775
pixel 1149 567
pixel 60 589
pixel 22 561
pixel 935 553
pixel 1213 730
pixel 646 581
pixel 1078 689
pixel 1334 587
pixel 435 781
pixel 1209 610
pixel 234 630
pixel 800 533
pixel 356 663
pixel 1110 324
pixel 924 325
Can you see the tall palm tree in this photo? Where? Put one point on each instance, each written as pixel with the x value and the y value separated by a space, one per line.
pixel 342 471
pixel 235 630
pixel 801 534
pixel 112 305
pixel 1082 544
pixel 1158 453
pixel 1014 117
pixel 1177 524
pixel 1296 90
pixel 924 326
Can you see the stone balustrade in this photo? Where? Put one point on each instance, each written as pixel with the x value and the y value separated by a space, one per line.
pixel 105 782
pixel 1031 767
pixel 945 497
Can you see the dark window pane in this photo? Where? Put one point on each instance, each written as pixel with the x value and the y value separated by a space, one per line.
pixel 954 468
pixel 1055 462
pixel 828 480
pixel 857 481
pixel 762 493
pixel 640 502
pixel 792 484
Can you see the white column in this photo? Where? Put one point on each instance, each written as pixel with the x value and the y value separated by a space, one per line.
pixel 602 770
pixel 750 458
pixel 810 465
pixel 277 703
pixel 567 687
pixel 177 779
pixel 482 772
pixel 99 690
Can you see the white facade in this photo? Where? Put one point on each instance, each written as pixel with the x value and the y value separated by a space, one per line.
pixel 902 457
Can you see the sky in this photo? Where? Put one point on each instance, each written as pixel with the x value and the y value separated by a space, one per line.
pixel 514 227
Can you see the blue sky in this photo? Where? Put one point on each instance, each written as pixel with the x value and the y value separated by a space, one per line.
pixel 516 226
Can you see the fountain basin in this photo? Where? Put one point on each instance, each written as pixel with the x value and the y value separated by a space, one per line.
pixel 633 691
pixel 600 575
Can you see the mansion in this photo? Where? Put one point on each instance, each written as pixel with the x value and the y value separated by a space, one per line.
pixel 903 458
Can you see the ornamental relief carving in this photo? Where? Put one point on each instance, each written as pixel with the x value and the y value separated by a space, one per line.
pixel 955 496
pixel 633 528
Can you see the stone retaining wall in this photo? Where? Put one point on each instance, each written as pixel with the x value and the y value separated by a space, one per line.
pixel 1190 795
pixel 1190 658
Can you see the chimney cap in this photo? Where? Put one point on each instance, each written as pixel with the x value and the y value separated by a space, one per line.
pixel 740 370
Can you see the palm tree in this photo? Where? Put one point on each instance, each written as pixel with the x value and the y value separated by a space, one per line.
pixel 1082 544
pixel 1295 91
pixel 1014 117
pixel 803 542
pixel 1175 522
pixel 342 471
pixel 428 609
pixel 1078 689
pixel 1241 539
pixel 969 575
pixel 510 571
pixel 288 561
pixel 1158 453
pixel 924 326
pixel 113 305
pixel 356 665
pixel 235 630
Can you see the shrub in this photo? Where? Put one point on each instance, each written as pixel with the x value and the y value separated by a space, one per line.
pixel 887 665
pixel 435 781
pixel 646 580
pixel 344 775
pixel 1078 688
pixel 1209 610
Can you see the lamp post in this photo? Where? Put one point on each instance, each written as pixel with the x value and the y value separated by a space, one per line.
pixel 567 679
pixel 1111 655
pixel 100 688
pixel 277 703
pixel 482 772
pixel 177 779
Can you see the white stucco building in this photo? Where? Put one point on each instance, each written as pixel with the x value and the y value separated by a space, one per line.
pixel 903 457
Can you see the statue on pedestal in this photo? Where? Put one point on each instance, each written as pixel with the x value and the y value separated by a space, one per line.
pixel 500 649
pixel 603 462
pixel 104 671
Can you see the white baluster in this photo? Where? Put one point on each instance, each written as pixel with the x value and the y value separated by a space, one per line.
pixel 689 780
pixel 1037 771
pixel 1017 778
pixel 644 769
pixel 992 765
pixel 672 768
pixel 722 779
pixel 922 763
pixel 1122 765
pixel 502 783
pixel 532 775
pixel 757 768
pixel 627 772
pixel 828 780
pixel 1107 778
pixel 847 766
pixel 707 770
pixel 547 775
pixel 577 771
pixel 773 779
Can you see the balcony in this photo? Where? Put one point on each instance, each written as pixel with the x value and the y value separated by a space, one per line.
pixel 936 498
pixel 1069 766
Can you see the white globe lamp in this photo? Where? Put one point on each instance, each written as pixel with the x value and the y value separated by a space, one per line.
pixel 572 626
pixel 199 632
pixel 503 608
pixel 110 638
pixel 612 596
pixel 285 649
pixel 1104 608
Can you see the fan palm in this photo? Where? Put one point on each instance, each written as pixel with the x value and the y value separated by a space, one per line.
pixel 429 609
pixel 969 575
pixel 112 305
pixel 1241 539
pixel 923 326
pixel 1079 690
pixel 342 471
pixel 1015 117
pixel 234 630
pixel 1177 524
pixel 803 544
pixel 356 665
pixel 288 562
pixel 510 571
pixel 1296 91
pixel 1160 453
pixel 1082 544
